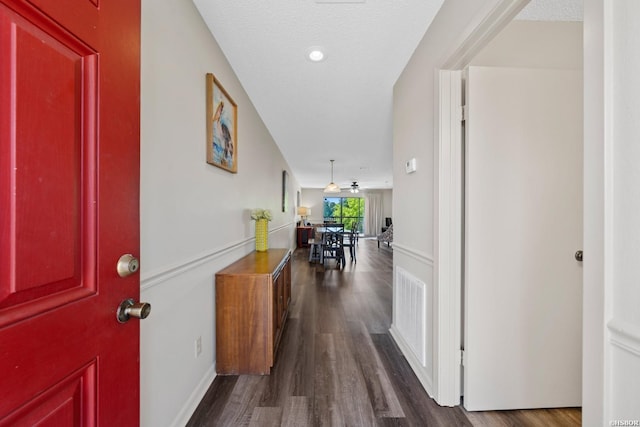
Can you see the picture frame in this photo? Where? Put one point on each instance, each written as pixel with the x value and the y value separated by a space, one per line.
pixel 222 126
pixel 285 192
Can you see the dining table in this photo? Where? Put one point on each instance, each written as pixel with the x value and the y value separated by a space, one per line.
pixel 328 228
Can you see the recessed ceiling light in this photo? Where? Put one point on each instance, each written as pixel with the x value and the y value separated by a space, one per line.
pixel 315 54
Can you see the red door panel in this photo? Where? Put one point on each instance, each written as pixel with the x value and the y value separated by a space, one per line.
pixel 69 178
pixel 62 405
pixel 81 17
pixel 50 219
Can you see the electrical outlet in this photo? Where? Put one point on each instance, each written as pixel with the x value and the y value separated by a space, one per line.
pixel 198 346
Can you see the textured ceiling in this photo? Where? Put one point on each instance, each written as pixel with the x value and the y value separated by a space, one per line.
pixel 552 10
pixel 339 108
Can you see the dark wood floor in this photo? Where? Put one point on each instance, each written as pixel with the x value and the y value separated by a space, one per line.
pixel 338 366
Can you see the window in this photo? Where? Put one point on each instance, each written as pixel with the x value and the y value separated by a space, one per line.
pixel 344 210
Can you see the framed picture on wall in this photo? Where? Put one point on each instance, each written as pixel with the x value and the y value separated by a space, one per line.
pixel 222 127
pixel 285 191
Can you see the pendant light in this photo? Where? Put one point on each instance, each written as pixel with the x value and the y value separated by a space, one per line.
pixel 332 187
pixel 355 187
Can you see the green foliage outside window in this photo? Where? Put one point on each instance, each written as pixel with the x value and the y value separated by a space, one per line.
pixel 332 208
pixel 344 210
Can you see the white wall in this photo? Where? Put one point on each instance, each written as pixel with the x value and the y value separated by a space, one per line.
pixel 415 132
pixel 611 329
pixel 313 198
pixel 534 44
pixel 194 216
pixel 387 204
pixel 622 203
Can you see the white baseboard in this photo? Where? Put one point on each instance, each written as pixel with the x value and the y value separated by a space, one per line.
pixel 194 399
pixel 425 379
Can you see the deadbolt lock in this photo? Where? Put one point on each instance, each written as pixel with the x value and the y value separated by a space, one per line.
pixel 127 265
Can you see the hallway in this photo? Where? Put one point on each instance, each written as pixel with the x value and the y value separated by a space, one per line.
pixel 337 364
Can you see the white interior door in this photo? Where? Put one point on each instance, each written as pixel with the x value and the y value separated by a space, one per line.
pixel 523 224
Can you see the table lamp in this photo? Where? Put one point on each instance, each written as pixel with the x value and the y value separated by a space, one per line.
pixel 304 212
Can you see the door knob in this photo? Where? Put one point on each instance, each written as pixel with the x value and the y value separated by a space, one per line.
pixel 578 256
pixel 129 308
pixel 127 265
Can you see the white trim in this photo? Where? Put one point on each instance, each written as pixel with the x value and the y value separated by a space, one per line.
pixel 423 257
pixel 608 205
pixel 481 31
pixel 624 335
pixel 158 277
pixel 449 220
pixel 448 274
pixel 165 274
pixel 416 366
pixel 194 399
pixel 596 188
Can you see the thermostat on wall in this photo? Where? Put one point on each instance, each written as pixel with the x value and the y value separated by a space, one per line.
pixel 410 166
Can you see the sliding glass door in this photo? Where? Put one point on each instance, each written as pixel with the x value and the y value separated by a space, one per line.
pixel 344 210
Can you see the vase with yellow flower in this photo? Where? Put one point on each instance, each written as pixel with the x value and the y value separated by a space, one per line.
pixel 262 218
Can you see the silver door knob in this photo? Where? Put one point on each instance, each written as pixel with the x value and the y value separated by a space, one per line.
pixel 127 265
pixel 129 308
pixel 578 256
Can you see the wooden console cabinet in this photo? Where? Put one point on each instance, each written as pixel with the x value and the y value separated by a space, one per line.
pixel 252 301
pixel 304 234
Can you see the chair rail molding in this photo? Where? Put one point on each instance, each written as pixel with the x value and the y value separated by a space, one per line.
pixel 420 256
pixel 162 275
pixel 624 335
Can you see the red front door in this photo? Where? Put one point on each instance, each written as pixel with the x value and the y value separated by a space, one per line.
pixel 69 190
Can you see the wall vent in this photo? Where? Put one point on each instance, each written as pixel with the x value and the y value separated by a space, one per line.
pixel 410 312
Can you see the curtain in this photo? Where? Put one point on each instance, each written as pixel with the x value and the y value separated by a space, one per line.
pixel 373 214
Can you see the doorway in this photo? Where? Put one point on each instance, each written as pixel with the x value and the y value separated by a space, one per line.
pixel 450 171
pixel 523 224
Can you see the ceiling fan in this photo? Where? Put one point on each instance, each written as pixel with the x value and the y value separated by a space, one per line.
pixel 354 188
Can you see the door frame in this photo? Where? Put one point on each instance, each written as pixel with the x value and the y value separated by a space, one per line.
pixel 598 168
pixel 450 194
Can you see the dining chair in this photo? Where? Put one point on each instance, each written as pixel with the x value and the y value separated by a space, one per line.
pixel 350 241
pixel 333 244
pixel 315 247
pixel 356 231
